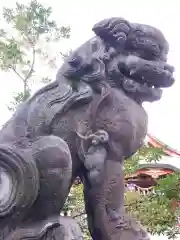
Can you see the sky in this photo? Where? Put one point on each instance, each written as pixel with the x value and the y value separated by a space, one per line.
pixel 80 15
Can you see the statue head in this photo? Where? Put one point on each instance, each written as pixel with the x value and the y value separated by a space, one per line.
pixel 129 56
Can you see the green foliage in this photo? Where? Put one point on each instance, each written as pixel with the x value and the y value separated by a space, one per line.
pixel 10 53
pixel 25 45
pixel 75 203
pixel 169 187
pixel 146 154
pixel 155 211
pixel 19 98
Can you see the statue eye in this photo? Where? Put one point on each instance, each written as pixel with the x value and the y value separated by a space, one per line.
pixel 149 46
pixel 155 48
pixel 142 40
pixel 139 33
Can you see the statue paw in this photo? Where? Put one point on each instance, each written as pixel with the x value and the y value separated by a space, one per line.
pixel 128 227
pixel 64 228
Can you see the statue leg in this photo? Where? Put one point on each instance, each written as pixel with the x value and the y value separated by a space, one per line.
pixel 53 159
pixel 93 229
pixel 105 207
pixel 104 200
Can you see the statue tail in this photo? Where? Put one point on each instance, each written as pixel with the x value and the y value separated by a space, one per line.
pixel 19 181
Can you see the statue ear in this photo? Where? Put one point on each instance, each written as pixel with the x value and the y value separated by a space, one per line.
pixel 113 30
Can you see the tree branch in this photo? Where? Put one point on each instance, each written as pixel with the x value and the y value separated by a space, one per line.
pixel 29 73
pixel 32 65
pixel 18 74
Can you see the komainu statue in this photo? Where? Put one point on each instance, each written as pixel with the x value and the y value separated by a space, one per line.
pixel 85 123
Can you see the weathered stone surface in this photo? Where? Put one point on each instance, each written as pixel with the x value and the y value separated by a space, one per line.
pixel 56 228
pixel 85 123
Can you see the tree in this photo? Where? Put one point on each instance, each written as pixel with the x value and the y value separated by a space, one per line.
pixel 159 210
pixel 24 47
pixel 146 154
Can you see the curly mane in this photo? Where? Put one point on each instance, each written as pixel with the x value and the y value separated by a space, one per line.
pixel 88 63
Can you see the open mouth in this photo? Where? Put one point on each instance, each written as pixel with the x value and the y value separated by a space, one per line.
pixel 139 82
pixel 153 73
pixel 146 77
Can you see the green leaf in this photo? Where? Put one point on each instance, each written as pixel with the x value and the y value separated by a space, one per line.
pixel 19 98
pixel 31 25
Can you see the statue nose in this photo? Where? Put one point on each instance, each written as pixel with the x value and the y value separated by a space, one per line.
pixel 170 68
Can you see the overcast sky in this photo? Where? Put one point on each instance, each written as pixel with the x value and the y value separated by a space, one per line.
pixel 164 116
